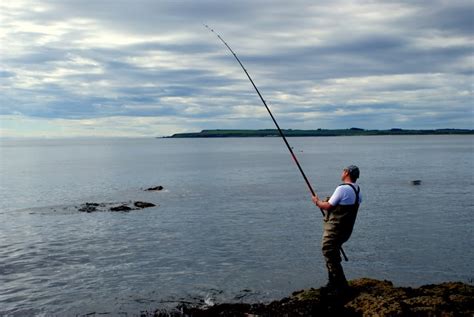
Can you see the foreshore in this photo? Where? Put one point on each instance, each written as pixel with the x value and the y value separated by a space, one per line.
pixel 366 297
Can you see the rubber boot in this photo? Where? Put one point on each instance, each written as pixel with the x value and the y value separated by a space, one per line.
pixel 337 283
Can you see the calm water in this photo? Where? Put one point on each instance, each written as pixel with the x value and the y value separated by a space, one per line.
pixel 235 222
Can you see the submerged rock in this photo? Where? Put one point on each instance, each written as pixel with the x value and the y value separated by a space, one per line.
pixel 366 297
pixel 115 207
pixel 89 207
pixel 157 188
pixel 120 208
pixel 142 204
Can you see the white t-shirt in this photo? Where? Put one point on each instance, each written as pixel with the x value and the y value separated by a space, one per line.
pixel 345 195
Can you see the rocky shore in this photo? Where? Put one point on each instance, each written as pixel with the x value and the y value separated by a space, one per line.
pixel 366 297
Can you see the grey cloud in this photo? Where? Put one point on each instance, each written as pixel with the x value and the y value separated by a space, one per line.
pixel 6 74
pixel 322 41
pixel 39 55
pixel 371 54
pixel 145 17
pixel 453 17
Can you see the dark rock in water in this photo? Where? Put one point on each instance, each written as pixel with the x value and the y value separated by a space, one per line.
pixel 117 206
pixel 416 182
pixel 157 188
pixel 142 204
pixel 121 208
pixel 89 207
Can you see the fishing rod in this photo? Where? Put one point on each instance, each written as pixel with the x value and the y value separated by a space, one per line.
pixel 275 122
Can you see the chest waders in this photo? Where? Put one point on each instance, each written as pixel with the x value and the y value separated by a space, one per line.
pixel 338 225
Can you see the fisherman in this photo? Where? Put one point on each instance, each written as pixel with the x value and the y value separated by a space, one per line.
pixel 340 212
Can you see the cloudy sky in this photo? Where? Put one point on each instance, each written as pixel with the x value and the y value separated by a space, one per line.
pixel 150 68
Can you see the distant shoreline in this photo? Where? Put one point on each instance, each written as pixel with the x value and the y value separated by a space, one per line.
pixel 220 133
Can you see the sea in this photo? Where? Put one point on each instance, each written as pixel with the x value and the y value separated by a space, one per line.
pixel 233 223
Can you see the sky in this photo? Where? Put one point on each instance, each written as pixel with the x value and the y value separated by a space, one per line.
pixel 125 68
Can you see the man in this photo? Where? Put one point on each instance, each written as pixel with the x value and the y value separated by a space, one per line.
pixel 340 214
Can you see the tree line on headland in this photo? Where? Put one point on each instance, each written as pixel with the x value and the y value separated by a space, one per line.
pixel 219 133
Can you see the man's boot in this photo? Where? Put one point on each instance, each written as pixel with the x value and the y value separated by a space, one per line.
pixel 337 282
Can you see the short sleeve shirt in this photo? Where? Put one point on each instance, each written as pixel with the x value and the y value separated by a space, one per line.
pixel 344 195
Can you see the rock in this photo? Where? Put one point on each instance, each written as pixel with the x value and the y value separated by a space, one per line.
pixel 121 208
pixel 157 188
pixel 117 206
pixel 366 297
pixel 89 207
pixel 142 204
pixel 376 298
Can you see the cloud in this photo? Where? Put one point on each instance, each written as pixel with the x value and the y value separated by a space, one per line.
pixel 329 64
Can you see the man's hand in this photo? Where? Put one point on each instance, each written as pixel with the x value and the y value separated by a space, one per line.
pixel 320 203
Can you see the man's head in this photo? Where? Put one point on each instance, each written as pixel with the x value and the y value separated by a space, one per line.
pixel 352 172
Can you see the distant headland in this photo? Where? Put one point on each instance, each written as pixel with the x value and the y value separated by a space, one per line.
pixel 318 133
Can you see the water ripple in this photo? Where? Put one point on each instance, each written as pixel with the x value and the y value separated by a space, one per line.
pixel 221 233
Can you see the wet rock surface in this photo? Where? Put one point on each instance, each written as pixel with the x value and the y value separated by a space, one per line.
pixel 366 297
pixel 89 207
pixel 142 204
pixel 115 207
pixel 121 208
pixel 157 188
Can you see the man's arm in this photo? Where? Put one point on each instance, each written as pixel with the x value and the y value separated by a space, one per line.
pixel 321 204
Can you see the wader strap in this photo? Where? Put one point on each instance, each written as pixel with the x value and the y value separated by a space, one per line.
pixel 356 191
